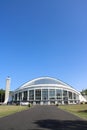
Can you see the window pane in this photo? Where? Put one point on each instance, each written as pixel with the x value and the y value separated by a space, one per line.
pixel 74 96
pixel 20 96
pixel 64 93
pixel 58 92
pixel 70 95
pixel 77 97
pixel 15 97
pixel 31 95
pixel 44 94
pixel 25 96
pixel 38 94
pixel 51 93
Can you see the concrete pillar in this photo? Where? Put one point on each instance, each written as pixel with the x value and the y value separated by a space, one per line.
pixel 7 90
pixel 17 96
pixel 62 97
pixel 34 94
pixel 34 103
pixel 41 103
pixel 48 102
pixel 27 95
pixel 73 96
pixel 56 102
pixel 41 94
pixel 48 94
pixel 22 95
pixel 62 102
pixel 68 102
pixel 55 94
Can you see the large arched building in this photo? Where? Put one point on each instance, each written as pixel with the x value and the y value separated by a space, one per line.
pixel 47 90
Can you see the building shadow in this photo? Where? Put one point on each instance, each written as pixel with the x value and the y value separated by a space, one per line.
pixel 61 125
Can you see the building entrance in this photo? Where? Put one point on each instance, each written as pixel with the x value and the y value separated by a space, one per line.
pixel 37 102
pixel 52 102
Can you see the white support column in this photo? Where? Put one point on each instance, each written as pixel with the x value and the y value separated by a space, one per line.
pixel 7 90
pixel 73 97
pixel 13 97
pixel 48 98
pixel 55 102
pixel 18 96
pixel 48 94
pixel 55 94
pixel 34 103
pixel 41 102
pixel 62 97
pixel 22 95
pixel 41 94
pixel 34 94
pixel 68 97
pixel 27 95
pixel 68 102
pixel 55 97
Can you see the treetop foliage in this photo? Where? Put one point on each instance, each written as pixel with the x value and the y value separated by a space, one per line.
pixel 84 92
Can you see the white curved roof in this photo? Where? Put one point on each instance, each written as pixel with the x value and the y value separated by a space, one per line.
pixel 43 80
pixel 46 81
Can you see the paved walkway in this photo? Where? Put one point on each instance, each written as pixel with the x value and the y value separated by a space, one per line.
pixel 42 118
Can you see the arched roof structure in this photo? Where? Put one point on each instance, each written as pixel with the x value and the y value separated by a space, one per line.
pixel 47 82
pixel 46 90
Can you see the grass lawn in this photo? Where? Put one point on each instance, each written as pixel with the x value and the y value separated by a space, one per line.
pixel 79 110
pixel 9 109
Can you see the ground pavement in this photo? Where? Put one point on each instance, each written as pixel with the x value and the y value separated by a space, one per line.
pixel 42 118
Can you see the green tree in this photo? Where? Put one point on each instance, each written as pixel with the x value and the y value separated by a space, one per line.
pixel 84 92
pixel 2 95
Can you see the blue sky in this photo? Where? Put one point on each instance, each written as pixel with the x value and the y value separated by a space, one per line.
pixel 43 38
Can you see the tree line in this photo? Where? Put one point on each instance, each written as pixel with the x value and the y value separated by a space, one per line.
pixel 84 92
pixel 2 95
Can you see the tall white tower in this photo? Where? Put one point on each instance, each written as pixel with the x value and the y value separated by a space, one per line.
pixel 7 90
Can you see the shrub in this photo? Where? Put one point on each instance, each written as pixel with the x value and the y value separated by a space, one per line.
pixel 57 104
pixel 29 105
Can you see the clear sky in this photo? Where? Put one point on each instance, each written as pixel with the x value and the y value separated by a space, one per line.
pixel 43 38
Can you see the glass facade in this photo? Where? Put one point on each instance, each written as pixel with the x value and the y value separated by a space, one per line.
pixel 51 93
pixel 25 95
pixel 15 97
pixel 65 96
pixel 38 94
pixel 31 94
pixel 64 93
pixel 45 81
pixel 58 94
pixel 44 94
pixel 74 96
pixel 20 96
pixel 47 91
pixel 70 95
